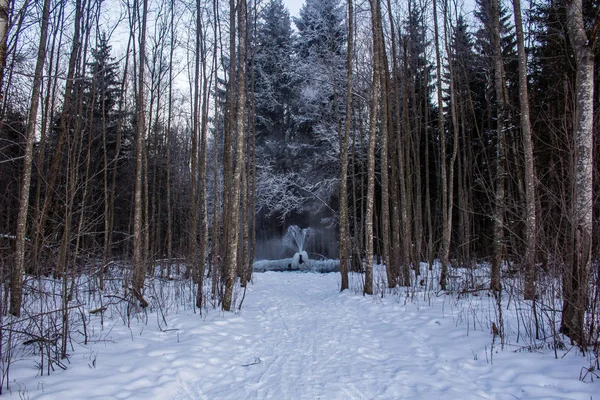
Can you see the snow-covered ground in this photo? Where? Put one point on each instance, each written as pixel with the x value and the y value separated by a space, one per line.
pixel 297 337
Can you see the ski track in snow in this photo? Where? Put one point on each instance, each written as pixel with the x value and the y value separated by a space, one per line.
pixel 297 337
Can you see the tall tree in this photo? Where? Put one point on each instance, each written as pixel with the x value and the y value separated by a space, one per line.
pixel 384 85
pixel 3 37
pixel 501 120
pixel 344 143
pixel 373 109
pixel 274 69
pixel 320 49
pixel 139 266
pixel 576 278
pixel 449 190
pixel 530 201
pixel 233 237
pixel 16 289
pixel 442 134
pixel 169 233
pixel 298 126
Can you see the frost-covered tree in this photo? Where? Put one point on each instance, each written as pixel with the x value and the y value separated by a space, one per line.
pixel 274 89
pixel 321 64
pixel 300 83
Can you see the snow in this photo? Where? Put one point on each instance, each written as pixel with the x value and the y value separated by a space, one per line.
pixel 297 337
pixel 293 264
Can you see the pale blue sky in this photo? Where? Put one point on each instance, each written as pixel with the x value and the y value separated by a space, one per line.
pixel 293 6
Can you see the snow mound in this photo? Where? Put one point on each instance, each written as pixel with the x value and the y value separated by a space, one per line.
pixel 293 264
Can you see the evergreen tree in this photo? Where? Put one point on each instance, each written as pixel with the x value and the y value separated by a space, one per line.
pixel 299 95
pixel 321 48
pixel 102 90
pixel 321 28
pixel 11 154
pixel 109 132
pixel 484 49
pixel 273 68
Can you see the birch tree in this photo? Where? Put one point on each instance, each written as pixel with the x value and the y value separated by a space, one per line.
pixel 369 214
pixel 576 285
pixel 499 196
pixel 139 267
pixel 16 289
pixel 530 208
pixel 3 37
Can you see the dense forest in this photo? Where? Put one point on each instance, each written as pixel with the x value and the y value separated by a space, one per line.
pixel 144 139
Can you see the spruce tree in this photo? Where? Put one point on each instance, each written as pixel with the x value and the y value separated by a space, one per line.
pixel 273 67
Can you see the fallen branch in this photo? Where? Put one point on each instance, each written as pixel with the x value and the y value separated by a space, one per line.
pixel 98 310
pixel 256 361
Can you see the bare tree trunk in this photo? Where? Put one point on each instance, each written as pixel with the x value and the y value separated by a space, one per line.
pixel 530 211
pixel 252 160
pixel 152 198
pixel 418 192
pixel 442 133
pixel 499 197
pixel 449 190
pixel 234 216
pixel 464 180
pixel 202 171
pixel 368 236
pixel 145 186
pixel 245 184
pixel 16 289
pixel 168 141
pixel 383 158
pixel 576 279
pixel 344 220
pixel 139 267
pixel 229 133
pixel 215 263
pixel 3 37
pixel 357 239
pixel 393 269
pixel 402 145
pixel 192 259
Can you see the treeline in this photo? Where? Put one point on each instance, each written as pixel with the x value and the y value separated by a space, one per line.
pixel 125 143
pixel 424 130
pixel 163 137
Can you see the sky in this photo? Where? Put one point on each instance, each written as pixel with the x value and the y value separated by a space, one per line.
pixel 293 6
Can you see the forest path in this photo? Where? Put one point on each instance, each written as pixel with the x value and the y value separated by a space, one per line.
pixel 297 337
